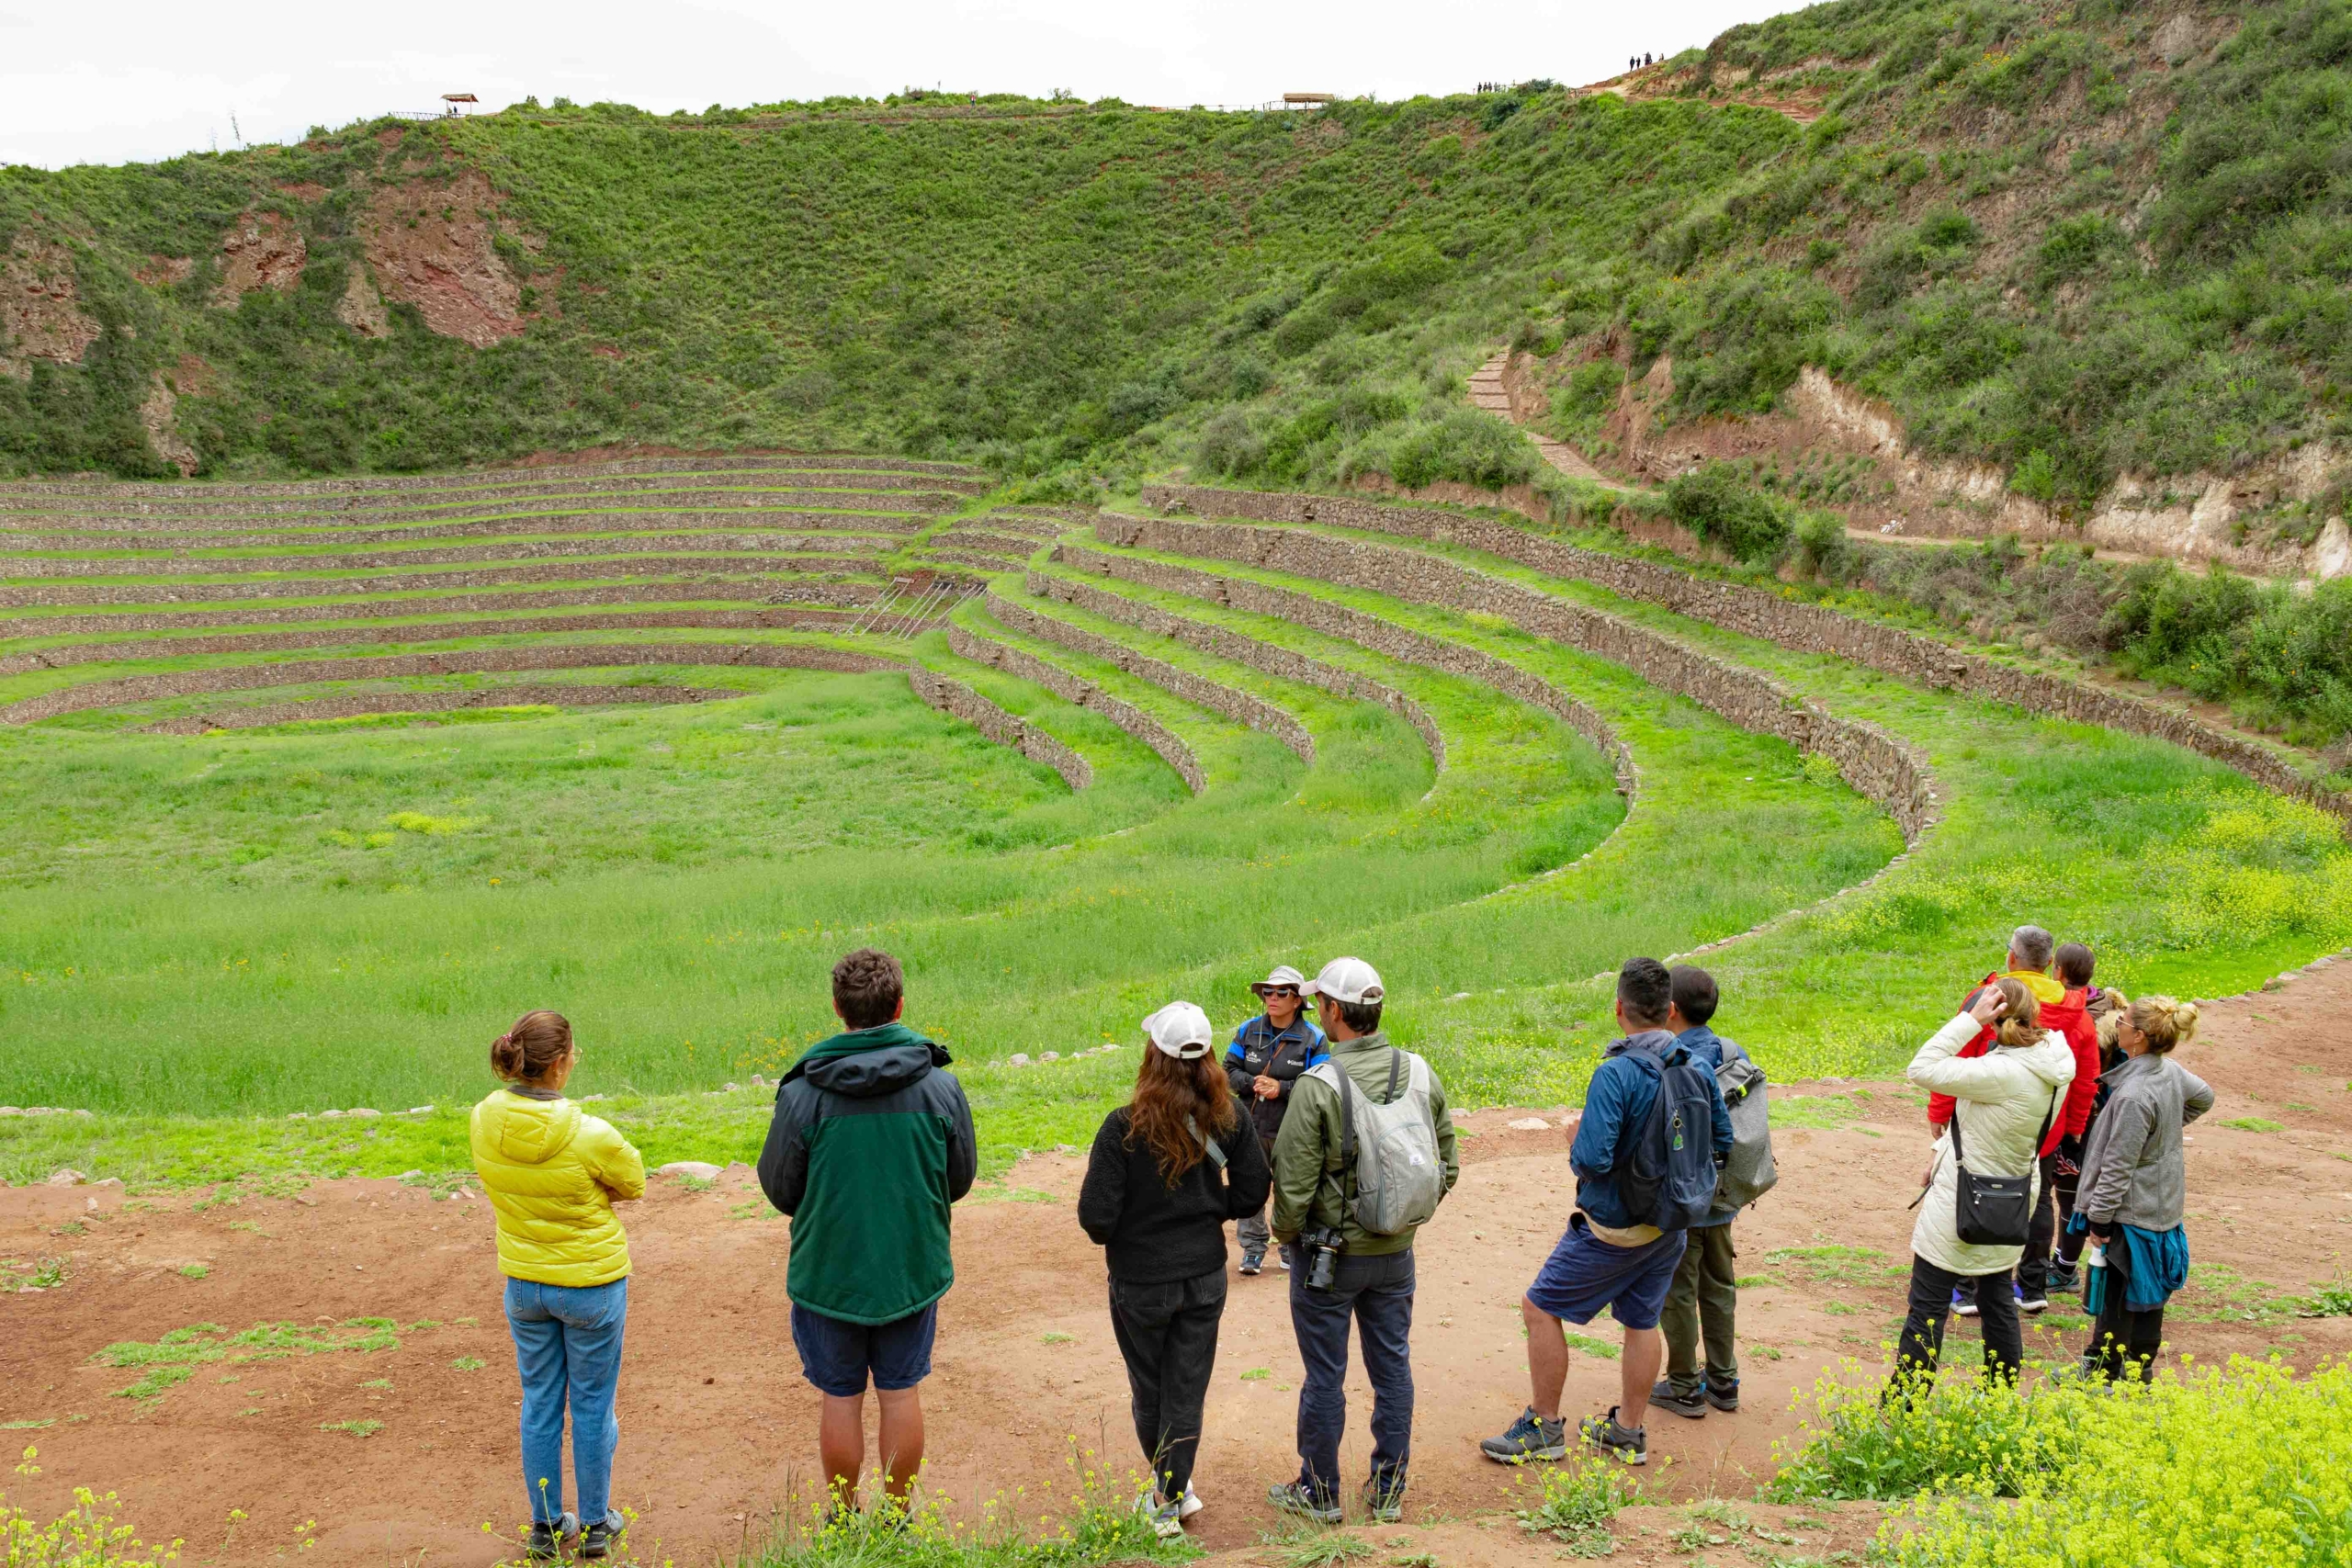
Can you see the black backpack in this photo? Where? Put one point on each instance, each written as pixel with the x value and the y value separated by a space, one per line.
pixel 1666 1169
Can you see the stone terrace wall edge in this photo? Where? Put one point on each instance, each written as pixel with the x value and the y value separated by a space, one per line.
pixel 965 643
pixel 1806 628
pixel 1240 707
pixel 958 701
pixel 1874 763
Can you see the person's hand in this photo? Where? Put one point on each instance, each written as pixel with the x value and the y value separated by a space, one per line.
pixel 1265 1088
pixel 1927 1177
pixel 1988 1007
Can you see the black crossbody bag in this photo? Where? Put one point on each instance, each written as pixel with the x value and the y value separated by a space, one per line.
pixel 1997 1211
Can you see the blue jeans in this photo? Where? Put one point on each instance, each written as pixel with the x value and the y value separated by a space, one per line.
pixel 1376 1294
pixel 568 1339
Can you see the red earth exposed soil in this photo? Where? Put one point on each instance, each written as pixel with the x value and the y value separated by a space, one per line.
pixel 718 1427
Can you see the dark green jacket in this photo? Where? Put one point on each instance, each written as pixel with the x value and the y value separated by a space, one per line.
pixel 870 1145
pixel 1309 1144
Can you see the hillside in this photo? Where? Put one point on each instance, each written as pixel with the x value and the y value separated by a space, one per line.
pixel 2077 243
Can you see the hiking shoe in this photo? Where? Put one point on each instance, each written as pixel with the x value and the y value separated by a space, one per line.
pixel 1531 1437
pixel 547 1538
pixel 2063 1277
pixel 2033 1303
pixel 1293 1497
pixel 1166 1519
pixel 1631 1444
pixel 1253 1261
pixel 1691 1406
pixel 1190 1504
pixel 1385 1507
pixel 1281 1260
pixel 1724 1398
pixel 598 1539
pixel 1964 1304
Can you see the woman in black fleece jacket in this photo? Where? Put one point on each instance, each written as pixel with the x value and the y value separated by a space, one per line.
pixel 1167 1171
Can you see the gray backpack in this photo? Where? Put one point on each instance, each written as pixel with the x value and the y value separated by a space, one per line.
pixel 1391 1145
pixel 1750 1171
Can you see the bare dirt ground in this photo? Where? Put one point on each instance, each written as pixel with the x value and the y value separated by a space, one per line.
pixel 717 1427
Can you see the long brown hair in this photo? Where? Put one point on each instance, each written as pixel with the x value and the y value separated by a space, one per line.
pixel 1170 1094
pixel 526 1053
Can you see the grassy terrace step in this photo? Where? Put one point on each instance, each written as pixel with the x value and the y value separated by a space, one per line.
pixel 621 473
pixel 248 514
pixel 793 547
pixel 2187 876
pixel 132 612
pixel 125 537
pixel 361 637
pixel 258 585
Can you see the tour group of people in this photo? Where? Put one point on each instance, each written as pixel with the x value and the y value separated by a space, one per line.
pixel 2055 1107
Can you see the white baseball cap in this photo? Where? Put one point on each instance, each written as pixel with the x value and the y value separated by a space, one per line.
pixel 1181 1029
pixel 1282 974
pixel 1346 980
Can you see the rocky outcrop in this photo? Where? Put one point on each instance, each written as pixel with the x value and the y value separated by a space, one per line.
pixel 41 306
pixel 264 249
pixel 967 643
pixel 157 416
pixel 433 244
pixel 1755 612
pixel 362 308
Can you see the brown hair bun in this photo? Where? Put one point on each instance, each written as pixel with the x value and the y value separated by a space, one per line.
pixel 529 1051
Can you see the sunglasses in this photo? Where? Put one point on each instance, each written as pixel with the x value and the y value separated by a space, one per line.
pixel 1282 990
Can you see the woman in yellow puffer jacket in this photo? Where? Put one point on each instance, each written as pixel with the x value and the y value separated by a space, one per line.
pixel 552 1172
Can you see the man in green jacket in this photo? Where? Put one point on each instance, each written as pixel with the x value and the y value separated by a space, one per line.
pixel 1372 1283
pixel 870 1143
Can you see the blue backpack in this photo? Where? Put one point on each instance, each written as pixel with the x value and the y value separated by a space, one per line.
pixel 1665 1171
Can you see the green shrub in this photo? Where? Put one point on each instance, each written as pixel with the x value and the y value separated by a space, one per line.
pixel 1228 446
pixel 1717 502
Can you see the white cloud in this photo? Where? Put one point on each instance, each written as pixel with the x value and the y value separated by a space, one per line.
pixel 162 78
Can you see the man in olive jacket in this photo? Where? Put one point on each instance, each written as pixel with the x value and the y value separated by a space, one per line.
pixel 1373 1282
pixel 870 1143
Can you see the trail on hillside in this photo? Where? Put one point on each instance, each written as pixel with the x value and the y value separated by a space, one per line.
pixel 1488 392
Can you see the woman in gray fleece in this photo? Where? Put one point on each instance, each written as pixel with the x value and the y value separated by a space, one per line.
pixel 2134 1184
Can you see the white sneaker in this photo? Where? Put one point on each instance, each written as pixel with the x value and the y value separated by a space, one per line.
pixel 1166 1523
pixel 1191 1505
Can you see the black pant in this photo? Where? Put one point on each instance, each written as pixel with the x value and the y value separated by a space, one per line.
pixel 2123 1342
pixel 1923 1326
pixel 1168 1334
pixel 2070 1245
pixel 2033 1269
pixel 1376 1294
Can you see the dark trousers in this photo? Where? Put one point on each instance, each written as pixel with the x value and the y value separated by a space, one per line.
pixel 2033 1269
pixel 1703 1301
pixel 1168 1334
pixel 2069 1185
pixel 2123 1342
pixel 1923 1326
pixel 1376 1294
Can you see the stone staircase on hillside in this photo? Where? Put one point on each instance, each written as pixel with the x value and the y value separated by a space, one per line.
pixel 1489 393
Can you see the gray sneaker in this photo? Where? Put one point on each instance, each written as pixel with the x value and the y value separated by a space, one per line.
pixel 1293 1497
pixel 1531 1437
pixel 1607 1433
pixel 1385 1507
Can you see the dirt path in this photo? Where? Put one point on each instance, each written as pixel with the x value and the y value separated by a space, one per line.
pixel 1487 393
pixel 719 1426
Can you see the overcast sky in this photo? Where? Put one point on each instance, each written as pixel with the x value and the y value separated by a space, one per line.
pixel 141 79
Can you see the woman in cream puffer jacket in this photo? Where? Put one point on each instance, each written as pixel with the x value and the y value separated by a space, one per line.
pixel 2008 1098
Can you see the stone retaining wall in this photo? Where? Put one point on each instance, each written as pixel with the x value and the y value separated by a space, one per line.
pixel 710 549
pixel 1759 613
pixel 521 477
pixel 786 585
pixel 1874 763
pixel 533 694
pixel 878 529
pixel 844 596
pixel 959 700
pixel 442 631
pixel 1381 636
pixel 1240 707
pixel 1240 649
pixel 967 644
pixel 257 513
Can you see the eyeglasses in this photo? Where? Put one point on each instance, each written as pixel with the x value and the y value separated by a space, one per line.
pixel 1282 990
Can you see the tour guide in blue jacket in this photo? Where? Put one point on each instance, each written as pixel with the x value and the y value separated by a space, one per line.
pixel 1606 1260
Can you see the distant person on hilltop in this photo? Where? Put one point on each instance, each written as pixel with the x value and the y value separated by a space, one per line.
pixel 1704 1296
pixel 2032 951
pixel 1263 1062
pixel 870 1143
pixel 1371 1111
pixel 1167 1170
pixel 1654 1130
pixel 552 1173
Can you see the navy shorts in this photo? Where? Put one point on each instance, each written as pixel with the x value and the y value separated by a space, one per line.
pixel 1584 1274
pixel 836 1355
